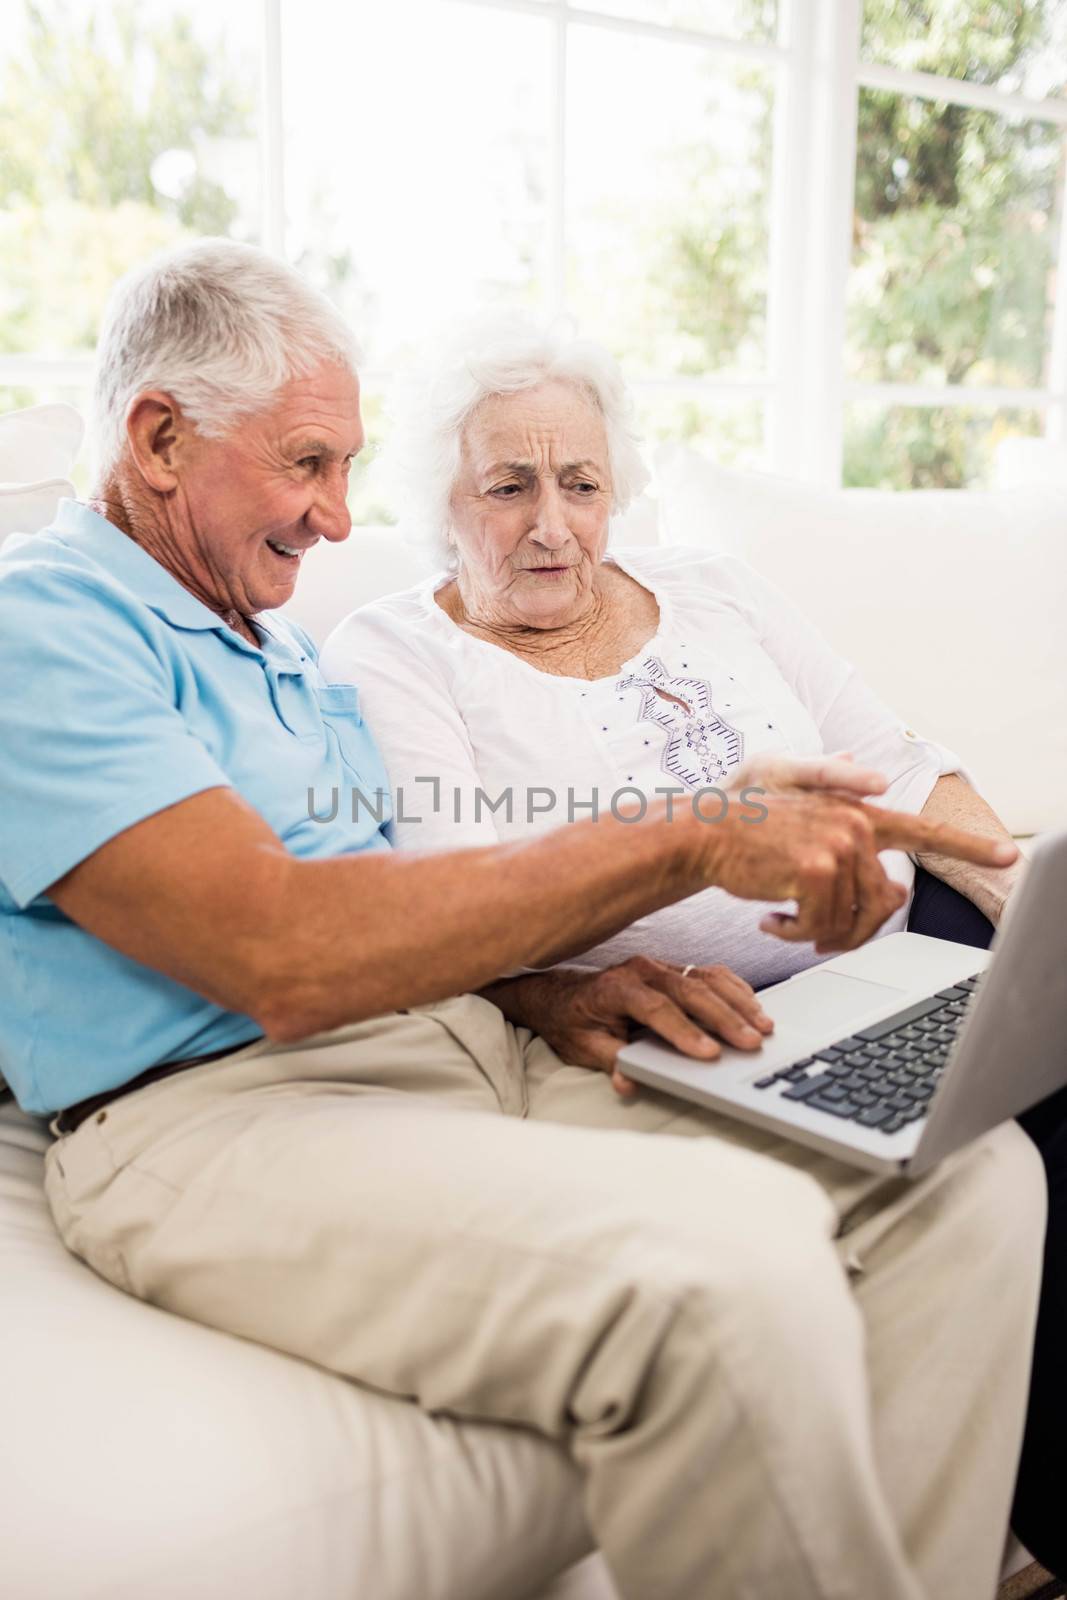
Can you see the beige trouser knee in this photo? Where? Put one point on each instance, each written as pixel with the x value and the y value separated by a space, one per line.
pixel 781 1377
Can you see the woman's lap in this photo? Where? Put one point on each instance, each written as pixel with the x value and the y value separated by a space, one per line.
pixel 942 912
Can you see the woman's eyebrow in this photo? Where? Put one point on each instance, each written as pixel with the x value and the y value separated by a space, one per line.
pixel 527 468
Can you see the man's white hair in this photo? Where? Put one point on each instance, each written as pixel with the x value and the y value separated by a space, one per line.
pixel 502 353
pixel 218 325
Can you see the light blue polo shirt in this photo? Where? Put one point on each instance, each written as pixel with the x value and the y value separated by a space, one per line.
pixel 121 694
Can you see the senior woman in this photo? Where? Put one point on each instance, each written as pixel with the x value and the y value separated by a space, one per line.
pixel 541 674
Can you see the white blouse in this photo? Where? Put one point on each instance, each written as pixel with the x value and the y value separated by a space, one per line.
pixel 483 747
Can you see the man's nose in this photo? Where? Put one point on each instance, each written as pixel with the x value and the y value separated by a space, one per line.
pixel 549 525
pixel 329 515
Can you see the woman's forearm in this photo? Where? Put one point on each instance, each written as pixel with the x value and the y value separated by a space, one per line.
pixel 953 800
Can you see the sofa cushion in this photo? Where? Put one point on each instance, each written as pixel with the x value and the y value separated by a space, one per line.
pixel 336 578
pixel 145 1455
pixel 951 605
pixel 26 507
pixel 37 451
pixel 39 442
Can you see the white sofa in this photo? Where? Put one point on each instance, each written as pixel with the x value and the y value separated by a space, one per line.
pixel 146 1458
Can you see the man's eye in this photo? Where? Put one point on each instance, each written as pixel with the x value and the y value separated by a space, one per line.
pixel 505 491
pixel 309 461
pixel 584 487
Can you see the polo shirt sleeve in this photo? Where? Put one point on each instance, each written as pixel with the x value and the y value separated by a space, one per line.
pixel 92 740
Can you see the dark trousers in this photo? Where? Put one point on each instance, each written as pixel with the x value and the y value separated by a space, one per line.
pixel 1039 1515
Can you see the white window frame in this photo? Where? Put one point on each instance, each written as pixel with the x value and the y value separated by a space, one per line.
pixel 818 75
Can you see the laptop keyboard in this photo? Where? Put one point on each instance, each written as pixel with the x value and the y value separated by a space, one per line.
pixel 883 1076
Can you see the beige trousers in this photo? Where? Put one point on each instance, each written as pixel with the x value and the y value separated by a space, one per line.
pixel 782 1378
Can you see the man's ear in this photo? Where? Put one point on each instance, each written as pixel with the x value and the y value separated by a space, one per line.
pixel 157 433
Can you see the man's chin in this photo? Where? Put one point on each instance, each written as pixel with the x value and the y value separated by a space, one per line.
pixel 275 589
pixel 275 601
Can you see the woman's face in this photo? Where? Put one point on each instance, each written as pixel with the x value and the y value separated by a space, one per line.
pixel 530 506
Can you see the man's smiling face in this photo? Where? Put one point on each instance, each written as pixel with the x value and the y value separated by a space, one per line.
pixel 248 506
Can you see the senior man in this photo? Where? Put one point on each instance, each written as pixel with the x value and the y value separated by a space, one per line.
pixel 282 1112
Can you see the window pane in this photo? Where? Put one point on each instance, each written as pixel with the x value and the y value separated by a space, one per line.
pixel 726 428
pixel 668 175
pixel 955 242
pixel 368 500
pixel 416 177
pixel 1019 46
pixel 123 128
pixel 912 447
pixel 729 19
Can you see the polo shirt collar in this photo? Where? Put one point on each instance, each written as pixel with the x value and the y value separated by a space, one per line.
pixel 87 531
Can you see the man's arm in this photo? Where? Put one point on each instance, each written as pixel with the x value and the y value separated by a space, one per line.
pixel 205 892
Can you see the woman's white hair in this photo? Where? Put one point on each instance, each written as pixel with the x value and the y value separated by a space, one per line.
pixel 218 325
pixel 502 353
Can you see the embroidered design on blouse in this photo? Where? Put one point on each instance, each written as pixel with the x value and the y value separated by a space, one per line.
pixel 701 747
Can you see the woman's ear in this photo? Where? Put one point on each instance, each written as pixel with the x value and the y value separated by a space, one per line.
pixel 451 548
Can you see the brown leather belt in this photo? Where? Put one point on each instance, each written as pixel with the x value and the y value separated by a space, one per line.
pixel 72 1117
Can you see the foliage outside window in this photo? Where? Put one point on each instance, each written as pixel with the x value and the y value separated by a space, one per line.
pixel 419 181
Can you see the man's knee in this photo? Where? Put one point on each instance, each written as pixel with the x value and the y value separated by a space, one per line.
pixel 675 1319
pixel 754 1258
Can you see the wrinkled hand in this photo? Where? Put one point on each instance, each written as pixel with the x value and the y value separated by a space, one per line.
pixel 588 1016
pixel 818 844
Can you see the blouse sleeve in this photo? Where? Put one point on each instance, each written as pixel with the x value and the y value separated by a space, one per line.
pixel 849 715
pixel 405 698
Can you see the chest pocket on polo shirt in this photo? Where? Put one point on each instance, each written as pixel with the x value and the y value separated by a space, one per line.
pixel 295 702
pixel 338 706
pixel 327 718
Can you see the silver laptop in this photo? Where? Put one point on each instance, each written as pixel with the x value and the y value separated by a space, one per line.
pixel 898 1053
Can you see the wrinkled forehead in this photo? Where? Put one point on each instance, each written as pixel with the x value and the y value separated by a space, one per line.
pixel 555 420
pixel 321 407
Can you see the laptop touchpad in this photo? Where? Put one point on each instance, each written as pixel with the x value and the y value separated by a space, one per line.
pixel 827 1001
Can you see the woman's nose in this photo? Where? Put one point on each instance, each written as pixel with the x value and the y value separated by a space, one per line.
pixel 549 522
